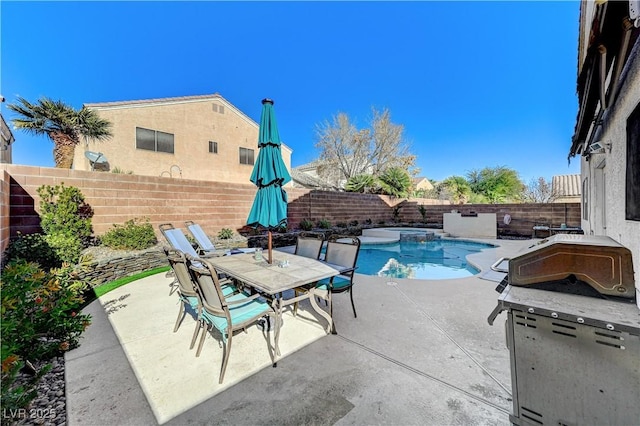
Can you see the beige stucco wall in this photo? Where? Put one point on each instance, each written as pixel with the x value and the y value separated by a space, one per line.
pixel 483 225
pixel 193 122
pixel 608 205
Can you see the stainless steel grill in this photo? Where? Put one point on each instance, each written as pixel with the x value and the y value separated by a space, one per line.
pixel 573 333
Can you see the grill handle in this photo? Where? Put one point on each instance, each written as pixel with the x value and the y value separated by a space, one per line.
pixel 495 266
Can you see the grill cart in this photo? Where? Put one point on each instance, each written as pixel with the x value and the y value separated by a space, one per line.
pixel 573 333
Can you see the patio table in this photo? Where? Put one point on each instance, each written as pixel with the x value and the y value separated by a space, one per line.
pixel 288 271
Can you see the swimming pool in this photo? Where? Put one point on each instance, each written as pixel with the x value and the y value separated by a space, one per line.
pixel 431 260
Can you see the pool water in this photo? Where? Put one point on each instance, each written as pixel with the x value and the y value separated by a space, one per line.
pixel 432 260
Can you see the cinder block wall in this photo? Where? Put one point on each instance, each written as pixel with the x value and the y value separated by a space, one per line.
pixel 5 228
pixel 116 198
pixel 523 216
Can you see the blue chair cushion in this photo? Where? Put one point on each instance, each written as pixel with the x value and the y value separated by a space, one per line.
pixel 339 283
pixel 191 301
pixel 239 312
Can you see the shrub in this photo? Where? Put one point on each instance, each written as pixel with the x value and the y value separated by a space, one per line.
pixel 17 394
pixel 63 209
pixel 39 321
pixel 225 234
pixel 396 213
pixel 65 219
pixel 40 316
pixel 118 170
pixel 362 183
pixel 324 224
pixel 32 248
pixel 396 182
pixel 66 246
pixel 423 212
pixel 341 224
pixel 133 235
pixel 353 223
pixel 306 225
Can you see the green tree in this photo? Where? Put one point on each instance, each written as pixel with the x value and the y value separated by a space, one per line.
pixel 396 181
pixel 362 183
pixel 457 188
pixel 61 123
pixel 498 184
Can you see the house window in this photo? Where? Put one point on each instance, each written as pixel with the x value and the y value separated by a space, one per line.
pixel 154 140
pixel 632 209
pixel 585 199
pixel 246 156
pixel 213 147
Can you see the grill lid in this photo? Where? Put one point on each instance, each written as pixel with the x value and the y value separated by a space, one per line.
pixel 560 262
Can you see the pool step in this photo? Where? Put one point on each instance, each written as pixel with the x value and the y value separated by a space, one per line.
pixel 387 235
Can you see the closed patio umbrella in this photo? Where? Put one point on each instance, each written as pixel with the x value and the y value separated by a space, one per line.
pixel 269 174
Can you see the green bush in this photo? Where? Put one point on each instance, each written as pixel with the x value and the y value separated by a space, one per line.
pixel 39 309
pixel 306 225
pixel 66 246
pixel 135 234
pixel 32 248
pixel 423 212
pixel 40 320
pixel 225 234
pixel 324 224
pixel 65 219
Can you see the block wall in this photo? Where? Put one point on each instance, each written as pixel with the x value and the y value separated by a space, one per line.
pixel 523 216
pixel 116 198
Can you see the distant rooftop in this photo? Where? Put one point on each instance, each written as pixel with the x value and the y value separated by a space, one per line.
pixel 566 185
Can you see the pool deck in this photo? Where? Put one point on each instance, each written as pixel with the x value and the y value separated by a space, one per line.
pixel 420 352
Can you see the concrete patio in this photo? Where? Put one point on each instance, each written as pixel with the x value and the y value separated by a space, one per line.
pixel 420 352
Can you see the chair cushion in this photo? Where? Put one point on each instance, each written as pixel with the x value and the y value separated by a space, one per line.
pixel 339 283
pixel 190 300
pixel 239 313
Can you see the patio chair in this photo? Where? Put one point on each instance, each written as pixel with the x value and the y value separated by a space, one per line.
pixel 205 246
pixel 342 253
pixel 226 314
pixel 186 288
pixel 176 238
pixel 309 245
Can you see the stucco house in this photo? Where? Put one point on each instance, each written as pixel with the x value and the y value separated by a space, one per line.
pixel 6 141
pixel 607 131
pixel 201 137
pixel 566 188
pixel 422 183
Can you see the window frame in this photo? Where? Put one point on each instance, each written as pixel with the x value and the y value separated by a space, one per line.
pixel 632 172
pixel 246 156
pixel 213 144
pixel 168 140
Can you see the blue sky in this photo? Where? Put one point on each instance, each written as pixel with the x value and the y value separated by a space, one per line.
pixel 475 84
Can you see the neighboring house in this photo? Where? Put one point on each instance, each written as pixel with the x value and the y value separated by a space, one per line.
pixel 566 188
pixel 422 184
pixel 6 140
pixel 607 132
pixel 304 180
pixel 192 137
pixel 306 176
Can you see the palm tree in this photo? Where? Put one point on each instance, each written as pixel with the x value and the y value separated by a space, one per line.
pixel 63 124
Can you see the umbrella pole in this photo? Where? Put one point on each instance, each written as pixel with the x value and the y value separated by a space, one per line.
pixel 269 248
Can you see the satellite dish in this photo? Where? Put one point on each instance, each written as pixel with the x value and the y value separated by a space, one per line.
pixel 95 158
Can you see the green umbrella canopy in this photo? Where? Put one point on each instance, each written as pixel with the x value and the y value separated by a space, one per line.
pixel 269 174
